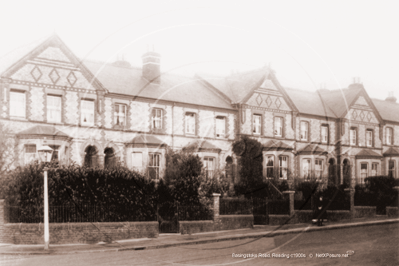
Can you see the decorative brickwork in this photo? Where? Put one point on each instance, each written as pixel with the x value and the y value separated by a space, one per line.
pixel 36 104
pixel 140 118
pixel 72 107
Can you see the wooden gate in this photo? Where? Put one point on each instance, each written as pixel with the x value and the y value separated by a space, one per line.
pixel 167 213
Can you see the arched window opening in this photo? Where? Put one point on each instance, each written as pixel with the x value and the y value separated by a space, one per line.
pixel 109 158
pixel 332 172
pixel 91 157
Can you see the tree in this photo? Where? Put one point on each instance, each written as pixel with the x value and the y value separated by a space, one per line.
pixel 183 173
pixel 250 163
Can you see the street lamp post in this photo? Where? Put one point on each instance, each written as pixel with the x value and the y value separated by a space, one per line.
pixel 45 153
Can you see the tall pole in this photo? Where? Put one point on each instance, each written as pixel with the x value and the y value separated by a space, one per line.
pixel 46 224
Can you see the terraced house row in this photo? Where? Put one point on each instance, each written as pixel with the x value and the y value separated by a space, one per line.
pixel 93 113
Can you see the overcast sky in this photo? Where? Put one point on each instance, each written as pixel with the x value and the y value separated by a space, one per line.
pixel 307 43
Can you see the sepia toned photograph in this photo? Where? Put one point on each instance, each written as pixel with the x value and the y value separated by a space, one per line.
pixel 199 132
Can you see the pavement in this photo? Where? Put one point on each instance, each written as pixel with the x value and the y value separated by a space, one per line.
pixel 173 240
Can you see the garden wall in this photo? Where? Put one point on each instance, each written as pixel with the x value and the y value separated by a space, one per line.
pixel 392 211
pixel 306 217
pixel 365 211
pixel 64 233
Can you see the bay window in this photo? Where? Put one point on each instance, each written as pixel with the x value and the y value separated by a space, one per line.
pixel 306 168
pixel 153 167
pixel 209 164
pixel 363 172
pixel 270 166
pixel 318 168
pixel 283 167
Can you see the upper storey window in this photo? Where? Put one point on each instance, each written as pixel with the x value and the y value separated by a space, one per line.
pixel 53 109
pixel 353 136
pixel 120 114
pixel 17 104
pixel 190 123
pixel 257 124
pixel 304 131
pixel 87 112
pixel 157 117
pixel 278 126
pixel 324 134
pixel 220 126
pixel 389 136
pixel 369 138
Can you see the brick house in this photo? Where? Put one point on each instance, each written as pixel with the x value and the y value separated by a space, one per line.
pixel 93 112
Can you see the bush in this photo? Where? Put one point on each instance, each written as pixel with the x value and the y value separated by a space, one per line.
pixel 78 186
pixel 250 162
pixel 336 196
pixel 378 191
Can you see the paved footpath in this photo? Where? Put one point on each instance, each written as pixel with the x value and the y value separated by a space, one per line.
pixel 172 240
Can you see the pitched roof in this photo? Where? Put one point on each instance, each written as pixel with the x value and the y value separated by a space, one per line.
pixel 388 110
pixel 312 149
pixel 276 145
pixel 201 145
pixel 339 100
pixel 310 102
pixel 43 130
pixel 366 153
pixel 9 59
pixel 237 85
pixel 391 152
pixel 147 139
pixel 129 81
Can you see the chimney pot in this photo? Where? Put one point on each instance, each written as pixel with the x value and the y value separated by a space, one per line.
pixel 151 66
pixel 391 97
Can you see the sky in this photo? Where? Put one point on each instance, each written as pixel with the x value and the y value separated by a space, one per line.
pixel 309 44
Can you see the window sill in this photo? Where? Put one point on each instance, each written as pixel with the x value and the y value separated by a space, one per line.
pixel 19 118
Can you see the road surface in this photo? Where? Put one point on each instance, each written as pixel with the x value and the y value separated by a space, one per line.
pixel 367 245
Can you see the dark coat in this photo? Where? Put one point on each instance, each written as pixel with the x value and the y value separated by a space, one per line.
pixel 320 210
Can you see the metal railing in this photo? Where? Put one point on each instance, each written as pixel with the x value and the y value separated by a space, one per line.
pixel 235 206
pixel 80 213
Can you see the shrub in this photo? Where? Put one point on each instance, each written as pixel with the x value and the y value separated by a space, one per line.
pixel 76 185
pixel 251 169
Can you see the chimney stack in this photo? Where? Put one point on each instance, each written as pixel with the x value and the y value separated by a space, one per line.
pixel 391 97
pixel 151 66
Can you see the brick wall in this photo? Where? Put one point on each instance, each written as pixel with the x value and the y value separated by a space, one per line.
pixel 65 233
